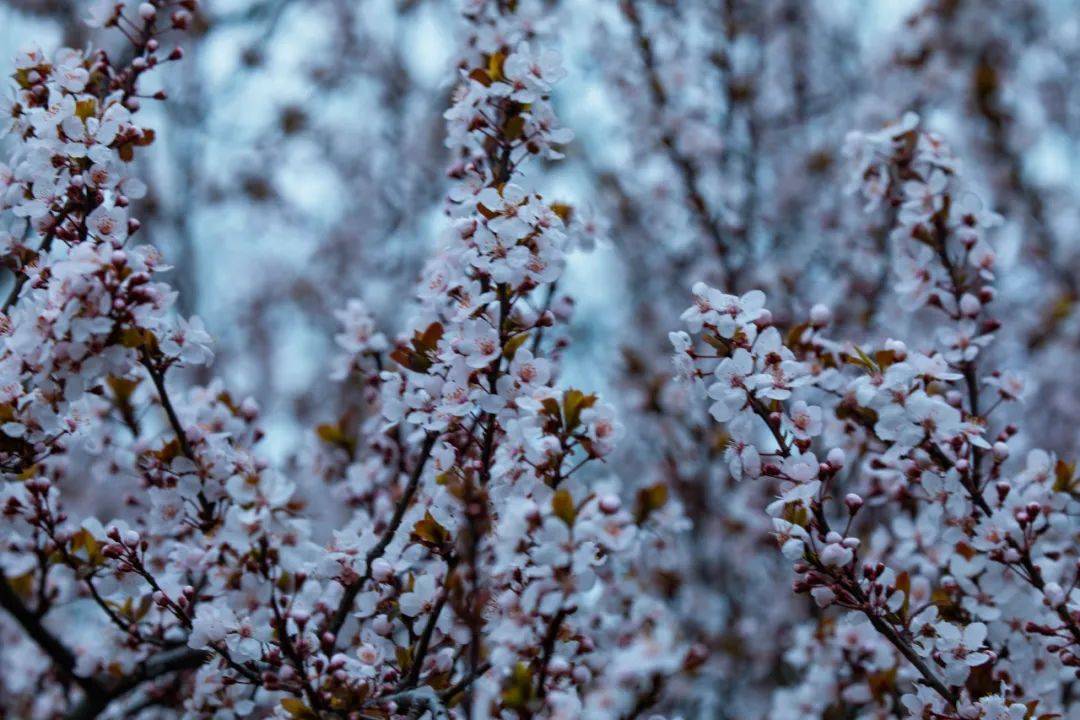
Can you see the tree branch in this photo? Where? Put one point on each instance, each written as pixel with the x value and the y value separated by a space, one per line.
pixel 353 589
pixel 61 656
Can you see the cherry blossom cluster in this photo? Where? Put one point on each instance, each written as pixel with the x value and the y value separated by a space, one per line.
pixel 894 495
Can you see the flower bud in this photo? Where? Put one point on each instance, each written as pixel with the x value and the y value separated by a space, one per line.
pixel 897 348
pixel 836 458
pixel 853 502
pixel 1054 594
pixel 970 305
pixel 823 596
pixel 381 570
pixel 820 315
pixel 610 504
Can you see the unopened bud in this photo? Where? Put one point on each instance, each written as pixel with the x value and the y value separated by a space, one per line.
pixel 836 458
pixel 610 504
pixel 820 315
pixel 381 570
pixel 853 502
pixel 970 305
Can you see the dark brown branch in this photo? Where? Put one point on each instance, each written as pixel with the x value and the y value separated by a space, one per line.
pixel 548 646
pixel 156 666
pixel 413 678
pixel 158 377
pixel 61 656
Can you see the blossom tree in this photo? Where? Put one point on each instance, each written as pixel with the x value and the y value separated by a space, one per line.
pixel 445 524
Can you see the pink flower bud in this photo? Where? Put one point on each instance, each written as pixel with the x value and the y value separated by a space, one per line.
pixel 853 502
pixel 381 570
pixel 610 504
pixel 820 315
pixel 836 458
pixel 970 305
pixel 823 596
pixel 1054 594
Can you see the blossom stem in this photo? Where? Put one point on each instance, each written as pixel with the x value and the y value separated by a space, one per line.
pixel 548 646
pixel 422 644
pixel 353 589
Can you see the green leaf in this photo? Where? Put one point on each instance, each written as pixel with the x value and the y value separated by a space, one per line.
pixel 562 504
pixel 430 533
pixel 574 401
pixel 519 687
pixel 512 345
pixel 298 709
pixel 649 500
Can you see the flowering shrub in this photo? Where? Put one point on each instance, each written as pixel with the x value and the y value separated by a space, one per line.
pixel 468 534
